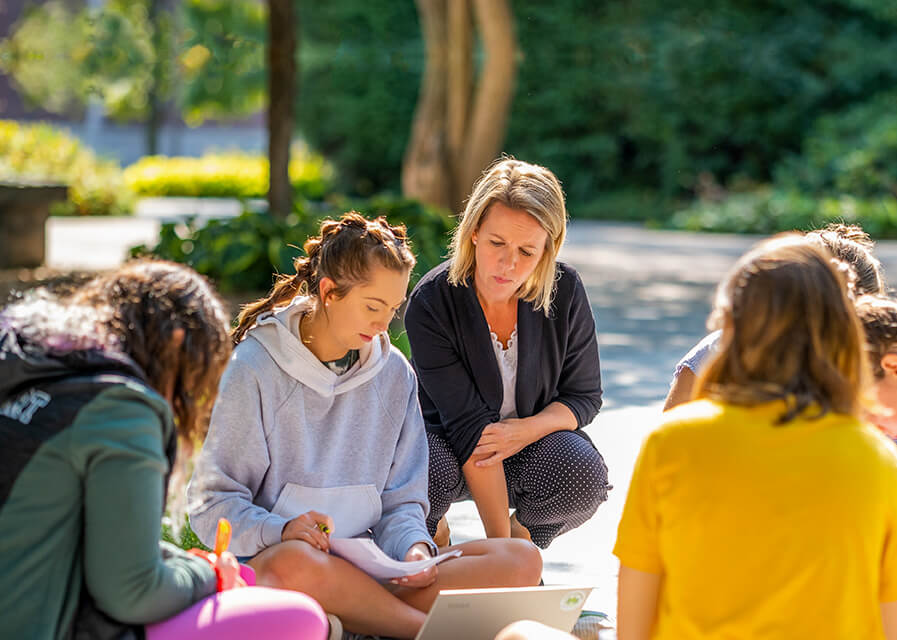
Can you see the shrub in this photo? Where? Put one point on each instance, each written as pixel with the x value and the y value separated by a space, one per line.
pixel 639 205
pixel 770 210
pixel 227 175
pixel 241 254
pixel 854 151
pixel 41 152
pixel 615 94
pixel 186 539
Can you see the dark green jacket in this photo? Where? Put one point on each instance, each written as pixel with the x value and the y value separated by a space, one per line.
pixel 83 469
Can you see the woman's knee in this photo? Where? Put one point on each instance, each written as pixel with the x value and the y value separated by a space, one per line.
pixel 575 467
pixel 444 470
pixel 593 476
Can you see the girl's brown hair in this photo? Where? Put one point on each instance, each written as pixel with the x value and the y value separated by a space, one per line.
pixel 344 252
pixel 850 244
pixel 146 302
pixel 789 332
pixel 878 316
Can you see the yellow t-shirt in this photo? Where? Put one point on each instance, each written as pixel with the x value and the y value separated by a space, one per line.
pixel 764 531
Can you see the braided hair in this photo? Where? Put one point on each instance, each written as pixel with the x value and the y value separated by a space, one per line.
pixel 343 251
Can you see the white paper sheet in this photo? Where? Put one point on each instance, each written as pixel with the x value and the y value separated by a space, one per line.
pixel 367 556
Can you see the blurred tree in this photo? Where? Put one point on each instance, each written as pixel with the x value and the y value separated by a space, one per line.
pixel 460 122
pixel 222 59
pixel 119 53
pixel 361 70
pixel 282 88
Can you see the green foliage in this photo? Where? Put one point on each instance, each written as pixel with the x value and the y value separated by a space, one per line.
pixel 653 93
pixel 223 59
pixel 39 52
pixel 639 205
pixel 233 174
pixel 768 210
pixel 853 152
pixel 610 95
pixel 117 53
pixel 847 171
pixel 242 253
pixel 239 254
pixel 361 65
pixel 40 152
pixel 186 539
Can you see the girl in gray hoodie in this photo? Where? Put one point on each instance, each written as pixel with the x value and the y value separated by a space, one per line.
pixel 317 432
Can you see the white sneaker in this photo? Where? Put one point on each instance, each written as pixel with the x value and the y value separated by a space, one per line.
pixel 336 627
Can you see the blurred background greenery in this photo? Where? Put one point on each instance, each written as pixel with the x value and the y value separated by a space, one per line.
pixel 739 115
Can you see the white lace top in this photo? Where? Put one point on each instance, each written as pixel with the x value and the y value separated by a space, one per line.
pixel 507 365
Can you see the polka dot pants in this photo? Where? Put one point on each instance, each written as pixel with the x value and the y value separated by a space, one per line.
pixel 556 483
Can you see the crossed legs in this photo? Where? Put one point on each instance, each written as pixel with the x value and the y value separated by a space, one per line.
pixel 365 606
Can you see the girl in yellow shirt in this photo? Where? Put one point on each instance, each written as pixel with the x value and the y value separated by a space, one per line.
pixel 767 508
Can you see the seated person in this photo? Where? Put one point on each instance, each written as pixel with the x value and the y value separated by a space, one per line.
pixel 879 318
pixel 95 390
pixel 317 428
pixel 848 243
pixel 767 500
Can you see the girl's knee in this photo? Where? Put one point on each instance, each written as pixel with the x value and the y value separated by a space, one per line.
pixel 292 565
pixel 527 630
pixel 522 561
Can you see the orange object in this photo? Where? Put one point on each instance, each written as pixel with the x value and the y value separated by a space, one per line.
pixel 222 536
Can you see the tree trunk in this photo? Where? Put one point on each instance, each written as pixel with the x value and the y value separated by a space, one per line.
pixel 282 45
pixel 425 173
pixel 453 138
pixel 460 88
pixel 154 117
pixel 492 105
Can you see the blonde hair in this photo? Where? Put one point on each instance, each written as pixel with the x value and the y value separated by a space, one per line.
pixel 789 332
pixel 526 187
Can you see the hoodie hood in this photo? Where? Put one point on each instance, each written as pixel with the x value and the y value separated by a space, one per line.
pixel 24 363
pixel 278 333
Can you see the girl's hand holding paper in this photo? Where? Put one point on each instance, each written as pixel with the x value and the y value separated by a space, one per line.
pixel 423 579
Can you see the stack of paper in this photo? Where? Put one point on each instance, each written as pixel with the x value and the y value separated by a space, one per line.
pixel 367 556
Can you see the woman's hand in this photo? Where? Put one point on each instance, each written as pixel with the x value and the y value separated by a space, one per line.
pixel 418 551
pixel 502 440
pixel 311 527
pixel 228 570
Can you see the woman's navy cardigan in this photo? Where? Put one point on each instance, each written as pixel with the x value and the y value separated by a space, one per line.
pixel 460 385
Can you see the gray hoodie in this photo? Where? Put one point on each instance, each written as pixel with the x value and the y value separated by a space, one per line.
pixel 288 435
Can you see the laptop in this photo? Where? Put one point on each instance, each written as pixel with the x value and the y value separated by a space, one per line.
pixel 479 614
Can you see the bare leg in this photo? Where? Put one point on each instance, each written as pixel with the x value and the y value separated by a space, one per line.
pixel 496 562
pixel 518 530
pixel 529 630
pixel 362 604
pixel 443 536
